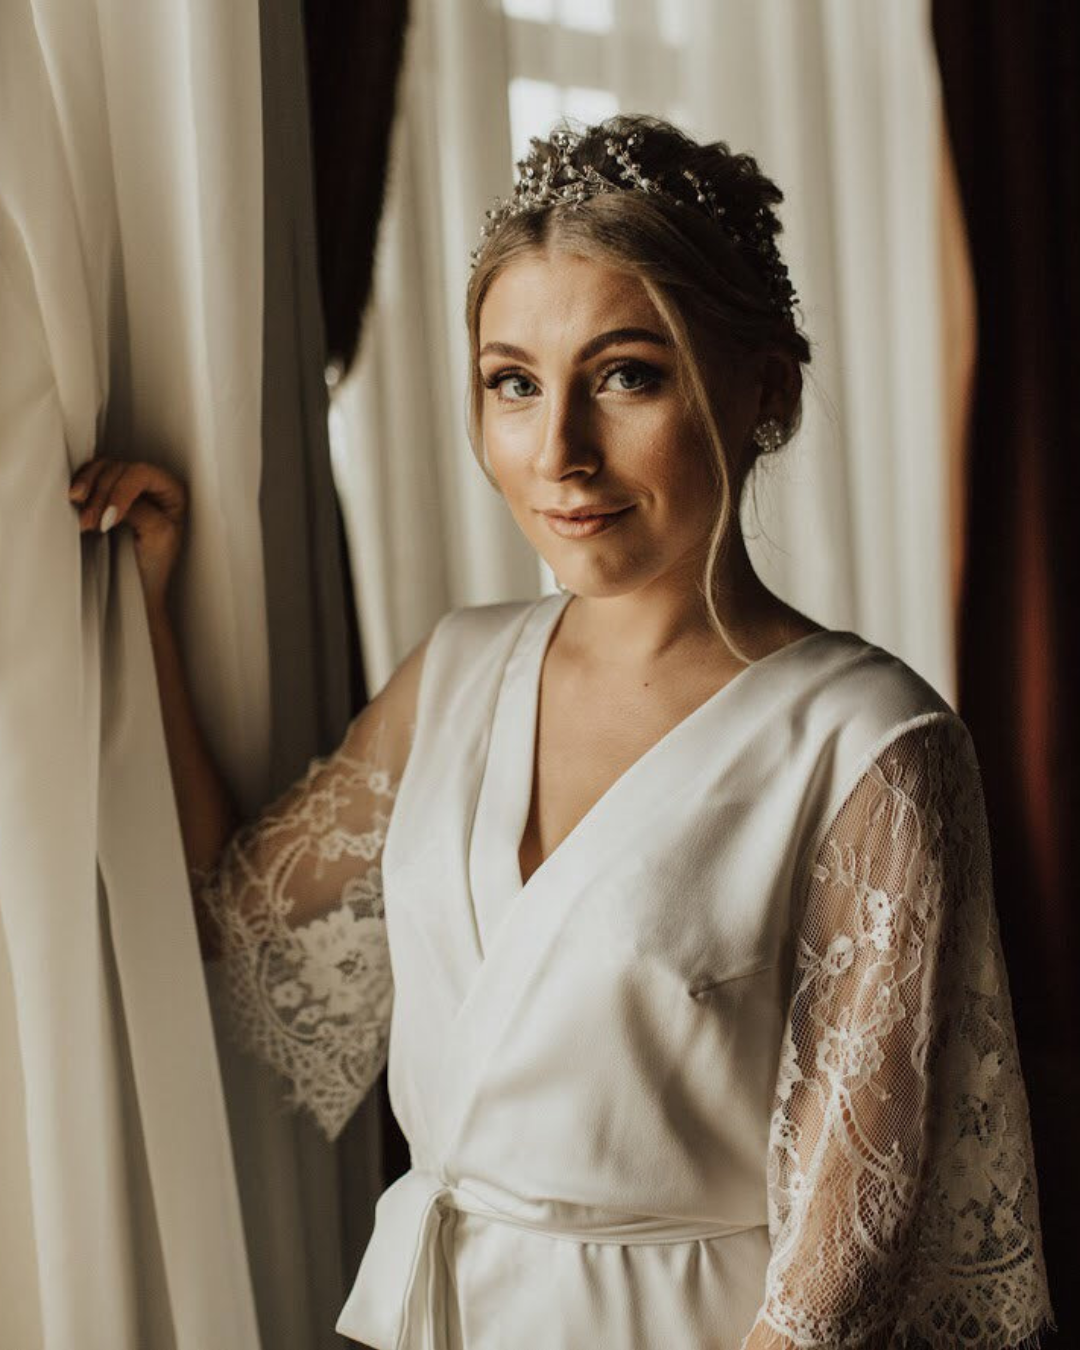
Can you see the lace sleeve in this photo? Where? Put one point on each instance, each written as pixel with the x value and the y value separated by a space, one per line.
pixel 903 1205
pixel 294 910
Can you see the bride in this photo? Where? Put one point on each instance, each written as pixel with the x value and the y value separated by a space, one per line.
pixel 670 907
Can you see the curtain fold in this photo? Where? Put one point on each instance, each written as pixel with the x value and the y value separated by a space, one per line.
pixel 117 134
pixel 304 1200
pixel 158 300
pixel 840 105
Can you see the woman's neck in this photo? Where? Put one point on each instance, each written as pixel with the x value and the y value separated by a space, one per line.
pixel 667 619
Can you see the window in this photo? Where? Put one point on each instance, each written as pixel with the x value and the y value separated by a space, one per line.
pixel 587 59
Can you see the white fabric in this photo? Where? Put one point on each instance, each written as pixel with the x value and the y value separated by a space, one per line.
pixel 130 320
pixel 840 103
pixel 739 1054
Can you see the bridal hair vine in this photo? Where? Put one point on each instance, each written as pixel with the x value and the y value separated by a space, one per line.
pixel 544 180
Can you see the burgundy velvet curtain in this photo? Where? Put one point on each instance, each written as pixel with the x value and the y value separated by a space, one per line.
pixel 1011 84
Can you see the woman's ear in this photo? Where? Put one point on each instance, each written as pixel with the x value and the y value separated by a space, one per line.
pixel 781 386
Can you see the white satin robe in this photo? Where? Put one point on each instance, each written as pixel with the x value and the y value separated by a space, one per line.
pixel 591 1069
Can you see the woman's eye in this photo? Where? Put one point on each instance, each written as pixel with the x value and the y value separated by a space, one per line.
pixel 500 383
pixel 633 377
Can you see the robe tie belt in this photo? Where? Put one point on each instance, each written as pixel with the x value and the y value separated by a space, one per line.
pixel 399 1298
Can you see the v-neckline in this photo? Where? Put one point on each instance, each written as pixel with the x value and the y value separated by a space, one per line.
pixel 532 674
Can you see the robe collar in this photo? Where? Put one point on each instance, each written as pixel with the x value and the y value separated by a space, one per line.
pixel 617 817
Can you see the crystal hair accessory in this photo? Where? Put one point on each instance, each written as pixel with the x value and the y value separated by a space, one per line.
pixel 545 181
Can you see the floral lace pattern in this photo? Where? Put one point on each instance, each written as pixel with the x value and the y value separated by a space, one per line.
pixel 296 900
pixel 903 1205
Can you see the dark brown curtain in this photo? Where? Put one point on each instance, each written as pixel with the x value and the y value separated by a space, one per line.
pixel 354 59
pixel 1011 85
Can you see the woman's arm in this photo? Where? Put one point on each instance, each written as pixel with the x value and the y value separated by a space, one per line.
pixel 902 1190
pixel 207 812
pixel 296 906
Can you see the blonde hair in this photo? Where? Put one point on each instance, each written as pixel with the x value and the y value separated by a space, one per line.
pixel 707 290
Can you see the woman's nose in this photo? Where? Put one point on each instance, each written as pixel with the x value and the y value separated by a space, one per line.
pixel 568 439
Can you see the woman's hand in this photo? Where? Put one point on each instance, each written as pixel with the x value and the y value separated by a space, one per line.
pixel 145 496
pixel 108 492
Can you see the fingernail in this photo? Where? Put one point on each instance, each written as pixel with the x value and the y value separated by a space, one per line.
pixel 77 492
pixel 108 520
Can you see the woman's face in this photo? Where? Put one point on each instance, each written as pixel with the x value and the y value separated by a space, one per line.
pixel 581 407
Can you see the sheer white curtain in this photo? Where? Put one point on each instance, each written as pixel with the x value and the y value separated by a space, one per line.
pixel 131 321
pixel 839 102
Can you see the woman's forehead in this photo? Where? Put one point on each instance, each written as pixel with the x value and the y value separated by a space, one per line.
pixel 551 291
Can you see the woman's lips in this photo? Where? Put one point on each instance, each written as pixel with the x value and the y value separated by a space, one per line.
pixel 583 527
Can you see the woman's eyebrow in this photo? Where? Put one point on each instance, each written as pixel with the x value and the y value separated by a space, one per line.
pixel 591 348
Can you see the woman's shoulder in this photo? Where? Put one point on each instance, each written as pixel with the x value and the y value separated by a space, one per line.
pixel 867 696
pixel 874 719
pixel 869 671
pixel 472 639
pixel 473 626
pixel 498 613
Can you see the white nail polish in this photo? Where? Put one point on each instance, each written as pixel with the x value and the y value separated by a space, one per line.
pixel 108 520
